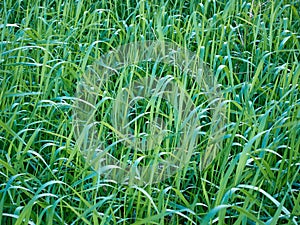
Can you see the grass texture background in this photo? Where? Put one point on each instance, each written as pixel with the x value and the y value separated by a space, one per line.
pixel 252 48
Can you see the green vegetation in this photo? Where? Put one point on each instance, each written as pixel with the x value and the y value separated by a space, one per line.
pixel 253 50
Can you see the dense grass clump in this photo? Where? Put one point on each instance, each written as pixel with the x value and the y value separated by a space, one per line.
pixel 252 49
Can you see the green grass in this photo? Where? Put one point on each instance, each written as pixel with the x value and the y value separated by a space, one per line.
pixel 252 49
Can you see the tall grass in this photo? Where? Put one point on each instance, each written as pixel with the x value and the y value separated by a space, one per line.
pixel 252 48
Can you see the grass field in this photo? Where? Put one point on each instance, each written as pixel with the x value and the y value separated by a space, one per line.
pixel 252 49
